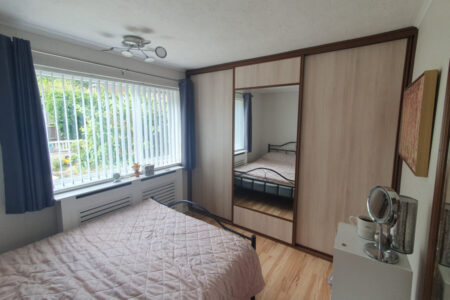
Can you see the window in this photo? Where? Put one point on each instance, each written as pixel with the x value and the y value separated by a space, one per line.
pixel 239 126
pixel 98 127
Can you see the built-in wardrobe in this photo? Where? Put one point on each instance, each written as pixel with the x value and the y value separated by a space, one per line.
pixel 350 97
pixel 212 177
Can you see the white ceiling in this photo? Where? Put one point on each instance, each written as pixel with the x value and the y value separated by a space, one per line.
pixel 200 33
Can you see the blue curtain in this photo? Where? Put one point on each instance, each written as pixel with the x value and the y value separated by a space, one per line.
pixel 248 121
pixel 187 123
pixel 26 163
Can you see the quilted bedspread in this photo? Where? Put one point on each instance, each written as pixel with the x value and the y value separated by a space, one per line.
pixel 146 251
pixel 283 163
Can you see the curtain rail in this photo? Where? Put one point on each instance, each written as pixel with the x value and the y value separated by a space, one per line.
pixel 58 71
pixel 101 64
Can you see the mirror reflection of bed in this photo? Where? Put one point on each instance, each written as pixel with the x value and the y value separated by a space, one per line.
pixel 264 173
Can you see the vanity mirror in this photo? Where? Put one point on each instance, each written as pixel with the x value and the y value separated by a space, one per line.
pixel 382 205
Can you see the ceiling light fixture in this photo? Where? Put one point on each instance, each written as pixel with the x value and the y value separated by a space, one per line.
pixel 127 53
pixel 160 52
pixel 136 46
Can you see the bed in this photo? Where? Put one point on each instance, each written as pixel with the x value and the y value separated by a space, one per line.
pixel 146 251
pixel 273 173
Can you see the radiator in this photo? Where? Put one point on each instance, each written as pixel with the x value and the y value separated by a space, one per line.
pixel 240 160
pixel 97 202
pixel 103 209
pixel 163 193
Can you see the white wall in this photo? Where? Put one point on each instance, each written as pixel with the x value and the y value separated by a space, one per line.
pixel 280 116
pixel 433 52
pixel 274 120
pixel 19 230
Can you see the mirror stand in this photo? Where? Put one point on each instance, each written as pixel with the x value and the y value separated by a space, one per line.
pixel 378 252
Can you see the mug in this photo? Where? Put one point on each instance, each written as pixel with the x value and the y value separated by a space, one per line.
pixel 149 170
pixel 365 227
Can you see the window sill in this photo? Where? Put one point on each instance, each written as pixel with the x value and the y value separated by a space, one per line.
pixel 110 184
pixel 238 152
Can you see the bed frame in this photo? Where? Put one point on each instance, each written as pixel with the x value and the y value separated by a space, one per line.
pixel 200 209
pixel 246 181
pixel 279 148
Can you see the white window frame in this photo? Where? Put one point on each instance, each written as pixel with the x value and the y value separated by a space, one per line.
pixel 160 98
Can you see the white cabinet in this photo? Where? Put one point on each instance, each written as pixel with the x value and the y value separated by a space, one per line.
pixel 356 276
pixel 444 283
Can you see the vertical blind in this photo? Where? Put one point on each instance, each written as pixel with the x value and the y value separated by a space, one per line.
pixel 98 127
pixel 239 124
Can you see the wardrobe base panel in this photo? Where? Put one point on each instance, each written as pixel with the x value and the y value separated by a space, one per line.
pixel 271 226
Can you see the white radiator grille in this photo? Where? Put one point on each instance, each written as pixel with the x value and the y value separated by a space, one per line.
pixel 163 193
pixel 81 208
pixel 239 163
pixel 240 160
pixel 95 212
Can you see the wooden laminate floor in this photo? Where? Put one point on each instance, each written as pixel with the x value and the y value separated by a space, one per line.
pixel 289 273
pixel 272 205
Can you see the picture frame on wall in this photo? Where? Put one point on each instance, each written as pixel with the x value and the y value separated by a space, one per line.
pixel 416 125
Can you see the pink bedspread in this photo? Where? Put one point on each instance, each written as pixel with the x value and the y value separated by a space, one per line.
pixel 147 251
pixel 283 163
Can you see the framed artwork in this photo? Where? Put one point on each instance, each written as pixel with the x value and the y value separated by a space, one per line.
pixel 417 122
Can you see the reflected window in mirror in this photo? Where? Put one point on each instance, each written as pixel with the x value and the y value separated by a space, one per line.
pixel 239 127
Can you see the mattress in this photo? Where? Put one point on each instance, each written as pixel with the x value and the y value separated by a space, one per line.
pixel 146 251
pixel 283 163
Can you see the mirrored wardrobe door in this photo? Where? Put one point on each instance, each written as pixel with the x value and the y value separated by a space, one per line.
pixel 437 269
pixel 265 133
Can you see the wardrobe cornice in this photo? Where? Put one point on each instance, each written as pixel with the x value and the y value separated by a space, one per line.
pixel 408 32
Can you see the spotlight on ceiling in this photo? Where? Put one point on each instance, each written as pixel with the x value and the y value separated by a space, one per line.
pixel 160 52
pixel 127 53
